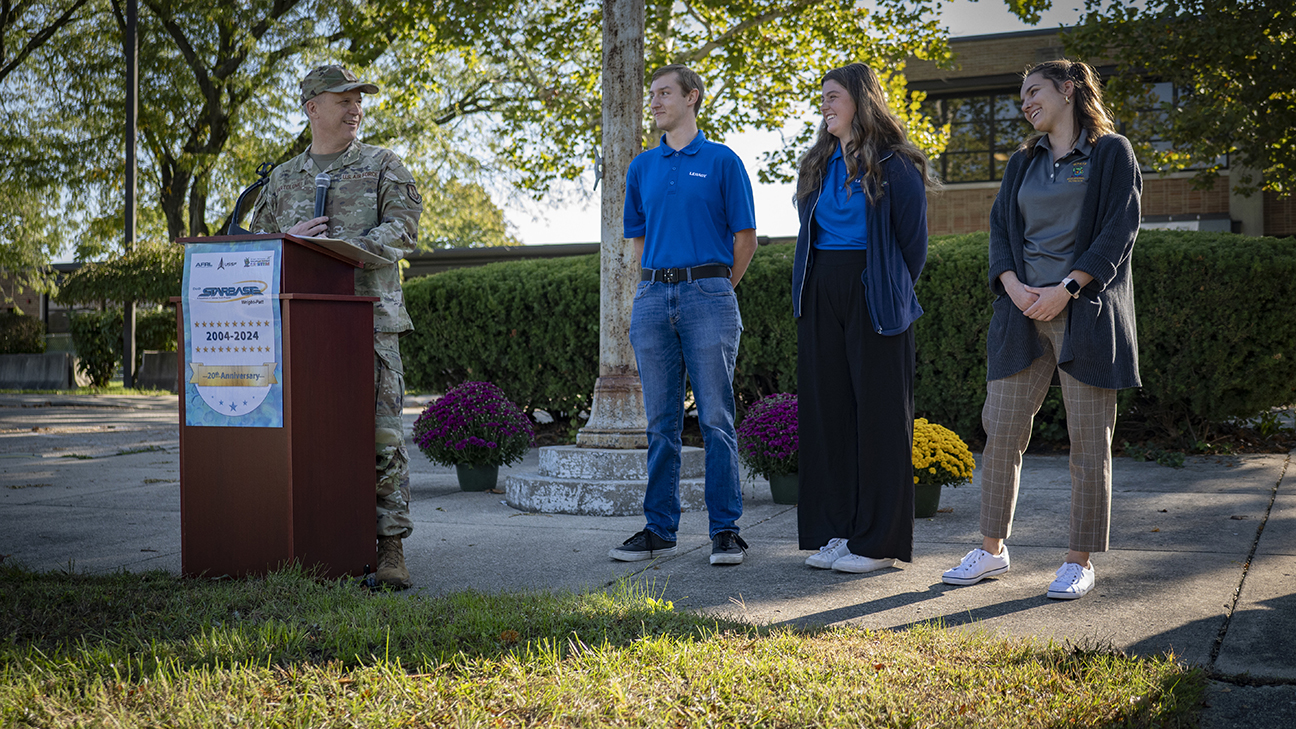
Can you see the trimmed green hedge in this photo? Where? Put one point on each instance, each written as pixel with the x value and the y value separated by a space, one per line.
pixel 97 338
pixel 21 334
pixel 1215 318
pixel 151 272
pixel 530 327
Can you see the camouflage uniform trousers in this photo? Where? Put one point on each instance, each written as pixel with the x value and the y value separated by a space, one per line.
pixel 393 458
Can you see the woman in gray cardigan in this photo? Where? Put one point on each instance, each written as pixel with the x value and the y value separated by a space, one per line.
pixel 1061 233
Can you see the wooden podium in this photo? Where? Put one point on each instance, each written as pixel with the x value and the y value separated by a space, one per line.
pixel 254 499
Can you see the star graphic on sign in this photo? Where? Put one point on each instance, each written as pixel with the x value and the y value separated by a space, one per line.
pixel 233 407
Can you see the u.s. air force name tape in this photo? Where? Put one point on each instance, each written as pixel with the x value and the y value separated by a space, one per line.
pixel 233 375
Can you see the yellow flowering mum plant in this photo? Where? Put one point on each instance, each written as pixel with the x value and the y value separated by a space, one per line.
pixel 940 457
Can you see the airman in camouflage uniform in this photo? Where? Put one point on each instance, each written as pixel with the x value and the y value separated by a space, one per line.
pixel 374 204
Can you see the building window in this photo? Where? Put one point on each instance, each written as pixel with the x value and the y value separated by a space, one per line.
pixel 1142 132
pixel 984 131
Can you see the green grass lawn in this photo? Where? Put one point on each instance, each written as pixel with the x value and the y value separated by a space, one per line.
pixel 156 650
pixel 112 388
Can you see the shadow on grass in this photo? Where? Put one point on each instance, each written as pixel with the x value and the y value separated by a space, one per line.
pixel 289 617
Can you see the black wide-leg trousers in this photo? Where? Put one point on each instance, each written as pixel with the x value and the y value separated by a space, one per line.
pixel 855 417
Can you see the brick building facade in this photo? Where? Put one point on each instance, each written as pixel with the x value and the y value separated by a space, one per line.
pixel 978 98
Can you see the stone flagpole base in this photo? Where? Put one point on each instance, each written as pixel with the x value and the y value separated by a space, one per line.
pixel 599 482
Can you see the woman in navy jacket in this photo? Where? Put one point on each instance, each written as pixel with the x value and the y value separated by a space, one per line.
pixel 861 195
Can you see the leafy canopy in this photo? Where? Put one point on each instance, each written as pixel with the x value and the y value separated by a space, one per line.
pixel 1232 62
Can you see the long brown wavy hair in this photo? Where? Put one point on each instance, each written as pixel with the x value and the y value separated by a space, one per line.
pixel 874 128
pixel 1091 114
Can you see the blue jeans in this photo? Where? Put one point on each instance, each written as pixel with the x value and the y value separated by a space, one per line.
pixel 694 327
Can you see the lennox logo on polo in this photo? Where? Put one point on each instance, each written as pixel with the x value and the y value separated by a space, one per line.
pixel 697 174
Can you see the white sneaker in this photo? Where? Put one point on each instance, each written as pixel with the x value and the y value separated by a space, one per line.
pixel 1073 580
pixel 834 550
pixel 976 566
pixel 856 564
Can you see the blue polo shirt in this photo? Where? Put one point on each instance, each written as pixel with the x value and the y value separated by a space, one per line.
pixel 688 203
pixel 841 216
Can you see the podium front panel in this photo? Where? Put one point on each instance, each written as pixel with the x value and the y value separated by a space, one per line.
pixel 329 408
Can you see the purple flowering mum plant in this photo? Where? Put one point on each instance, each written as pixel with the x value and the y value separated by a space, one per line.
pixel 474 424
pixel 767 437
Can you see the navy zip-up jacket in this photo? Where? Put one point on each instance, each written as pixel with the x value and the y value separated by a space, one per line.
pixel 897 246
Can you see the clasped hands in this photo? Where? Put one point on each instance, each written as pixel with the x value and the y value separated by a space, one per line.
pixel 1041 304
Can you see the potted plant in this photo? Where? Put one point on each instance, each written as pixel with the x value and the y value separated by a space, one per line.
pixel 767 444
pixel 940 457
pixel 476 429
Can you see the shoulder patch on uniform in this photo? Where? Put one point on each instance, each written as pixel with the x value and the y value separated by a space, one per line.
pixel 413 193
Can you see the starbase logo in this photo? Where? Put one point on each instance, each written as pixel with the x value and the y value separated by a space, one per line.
pixel 240 290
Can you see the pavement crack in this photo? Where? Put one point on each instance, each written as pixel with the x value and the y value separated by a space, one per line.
pixel 1246 679
pixel 1246 567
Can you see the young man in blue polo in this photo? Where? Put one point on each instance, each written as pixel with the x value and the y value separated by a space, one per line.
pixel 690 212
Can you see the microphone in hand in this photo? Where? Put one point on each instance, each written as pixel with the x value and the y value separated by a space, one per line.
pixel 322 182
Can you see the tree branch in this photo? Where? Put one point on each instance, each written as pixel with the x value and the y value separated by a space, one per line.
pixel 746 25
pixel 37 40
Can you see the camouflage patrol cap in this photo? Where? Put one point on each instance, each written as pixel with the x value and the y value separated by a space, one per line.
pixel 333 79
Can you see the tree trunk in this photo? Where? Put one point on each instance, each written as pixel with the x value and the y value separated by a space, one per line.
pixel 198 204
pixel 617 418
pixel 172 197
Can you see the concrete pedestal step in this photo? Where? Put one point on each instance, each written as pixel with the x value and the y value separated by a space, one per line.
pixel 599 481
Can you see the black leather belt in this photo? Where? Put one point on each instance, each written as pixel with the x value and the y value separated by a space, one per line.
pixel 675 275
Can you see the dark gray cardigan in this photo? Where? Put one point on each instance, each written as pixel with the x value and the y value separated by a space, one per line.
pixel 1100 347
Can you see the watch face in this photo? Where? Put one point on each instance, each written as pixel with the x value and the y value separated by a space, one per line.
pixel 1073 287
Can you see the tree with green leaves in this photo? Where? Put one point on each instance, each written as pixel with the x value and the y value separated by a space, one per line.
pixel 1225 69
pixel 763 59
pixel 31 232
pixel 498 95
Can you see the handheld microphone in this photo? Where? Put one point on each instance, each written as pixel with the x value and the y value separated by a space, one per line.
pixel 322 182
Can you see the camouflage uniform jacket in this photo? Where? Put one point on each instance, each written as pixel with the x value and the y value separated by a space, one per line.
pixel 373 203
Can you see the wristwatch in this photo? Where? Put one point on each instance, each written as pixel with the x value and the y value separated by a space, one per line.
pixel 1072 286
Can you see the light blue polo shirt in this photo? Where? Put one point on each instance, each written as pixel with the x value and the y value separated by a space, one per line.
pixel 841 216
pixel 688 203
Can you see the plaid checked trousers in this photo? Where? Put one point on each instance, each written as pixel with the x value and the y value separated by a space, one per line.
pixel 1010 408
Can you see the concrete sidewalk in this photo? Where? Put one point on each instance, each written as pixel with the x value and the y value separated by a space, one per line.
pixel 1203 560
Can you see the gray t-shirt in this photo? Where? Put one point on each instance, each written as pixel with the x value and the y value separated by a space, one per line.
pixel 1050 199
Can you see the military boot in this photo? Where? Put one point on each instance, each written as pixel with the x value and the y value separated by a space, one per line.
pixel 391 564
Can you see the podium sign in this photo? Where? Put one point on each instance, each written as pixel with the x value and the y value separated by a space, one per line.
pixel 233 333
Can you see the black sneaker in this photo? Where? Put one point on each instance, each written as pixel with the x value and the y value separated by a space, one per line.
pixel 727 548
pixel 644 545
